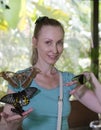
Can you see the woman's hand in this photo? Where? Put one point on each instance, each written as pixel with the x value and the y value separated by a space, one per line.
pixel 86 75
pixel 87 78
pixel 10 122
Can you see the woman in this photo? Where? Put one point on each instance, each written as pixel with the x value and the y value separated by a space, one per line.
pixel 41 113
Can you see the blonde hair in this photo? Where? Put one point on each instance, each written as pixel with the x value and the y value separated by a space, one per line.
pixel 40 22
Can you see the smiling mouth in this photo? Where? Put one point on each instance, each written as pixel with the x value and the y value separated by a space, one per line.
pixel 54 57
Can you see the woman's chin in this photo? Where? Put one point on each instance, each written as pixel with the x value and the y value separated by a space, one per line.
pixel 52 63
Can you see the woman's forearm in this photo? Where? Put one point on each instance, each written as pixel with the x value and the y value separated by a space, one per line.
pixel 97 86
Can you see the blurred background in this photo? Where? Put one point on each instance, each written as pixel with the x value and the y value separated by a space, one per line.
pixel 82 23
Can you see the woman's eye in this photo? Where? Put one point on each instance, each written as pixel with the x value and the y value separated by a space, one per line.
pixel 60 43
pixel 48 42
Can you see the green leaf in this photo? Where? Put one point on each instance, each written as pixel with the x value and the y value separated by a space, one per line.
pixel 49 11
pixel 12 15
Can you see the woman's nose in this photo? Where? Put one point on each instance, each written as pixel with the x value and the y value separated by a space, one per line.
pixel 55 49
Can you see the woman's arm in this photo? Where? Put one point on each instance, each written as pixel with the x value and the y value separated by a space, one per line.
pixel 96 84
pixel 90 98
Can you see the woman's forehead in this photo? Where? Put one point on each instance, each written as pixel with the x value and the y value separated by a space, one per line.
pixel 47 31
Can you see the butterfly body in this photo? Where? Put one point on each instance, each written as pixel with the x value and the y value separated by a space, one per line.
pixel 19 99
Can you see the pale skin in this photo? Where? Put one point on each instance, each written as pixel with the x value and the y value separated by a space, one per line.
pixel 49 44
pixel 94 102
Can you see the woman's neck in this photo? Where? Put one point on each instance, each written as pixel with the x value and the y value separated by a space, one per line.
pixel 46 69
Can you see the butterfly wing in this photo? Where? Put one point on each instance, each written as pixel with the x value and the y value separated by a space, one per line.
pixel 21 78
pixel 80 78
pixel 8 76
pixel 19 99
pixel 29 92
pixel 8 99
pixel 30 73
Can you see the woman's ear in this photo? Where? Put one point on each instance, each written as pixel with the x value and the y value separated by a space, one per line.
pixel 34 41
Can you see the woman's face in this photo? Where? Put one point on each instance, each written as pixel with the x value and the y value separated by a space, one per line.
pixel 49 44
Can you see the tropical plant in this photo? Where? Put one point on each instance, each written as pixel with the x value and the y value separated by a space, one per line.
pixel 16 29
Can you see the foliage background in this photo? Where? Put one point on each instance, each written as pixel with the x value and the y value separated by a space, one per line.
pixel 17 25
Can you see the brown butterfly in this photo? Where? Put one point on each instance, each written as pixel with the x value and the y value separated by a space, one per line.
pixel 20 79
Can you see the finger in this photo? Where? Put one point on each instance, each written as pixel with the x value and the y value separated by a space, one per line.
pixel 27 112
pixel 3 117
pixel 18 117
pixel 73 91
pixel 3 114
pixel 70 83
pixel 14 117
pixel 87 75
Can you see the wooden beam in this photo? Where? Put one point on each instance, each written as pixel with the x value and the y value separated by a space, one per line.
pixel 95 37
